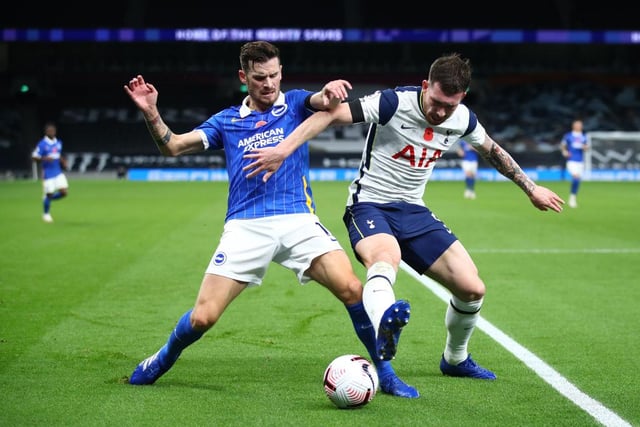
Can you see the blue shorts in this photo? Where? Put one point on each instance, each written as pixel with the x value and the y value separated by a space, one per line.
pixel 421 235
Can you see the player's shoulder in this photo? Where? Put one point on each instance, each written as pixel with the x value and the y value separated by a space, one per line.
pixel 297 92
pixel 462 116
pixel 405 97
pixel 295 96
pixel 232 111
pixel 405 94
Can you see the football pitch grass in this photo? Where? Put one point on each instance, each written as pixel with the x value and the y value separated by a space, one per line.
pixel 84 299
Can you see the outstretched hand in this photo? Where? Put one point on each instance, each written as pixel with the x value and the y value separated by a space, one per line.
pixel 142 93
pixel 266 160
pixel 545 199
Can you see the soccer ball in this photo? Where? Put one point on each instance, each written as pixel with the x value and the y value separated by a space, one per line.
pixel 350 381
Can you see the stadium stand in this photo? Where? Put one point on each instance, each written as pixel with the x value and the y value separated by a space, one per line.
pixel 526 93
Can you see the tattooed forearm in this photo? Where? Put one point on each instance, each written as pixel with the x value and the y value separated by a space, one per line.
pixel 164 139
pixel 504 163
pixel 160 132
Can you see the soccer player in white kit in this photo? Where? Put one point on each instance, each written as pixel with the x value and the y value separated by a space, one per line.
pixel 264 223
pixel 410 129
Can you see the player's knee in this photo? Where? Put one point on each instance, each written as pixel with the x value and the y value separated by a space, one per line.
pixel 350 292
pixel 469 288
pixel 474 292
pixel 203 319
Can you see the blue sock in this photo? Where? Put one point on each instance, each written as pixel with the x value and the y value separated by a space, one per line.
pixel 469 182
pixel 364 328
pixel 46 204
pixel 575 184
pixel 57 195
pixel 182 336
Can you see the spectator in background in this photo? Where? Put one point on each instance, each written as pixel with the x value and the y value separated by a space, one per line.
pixel 573 146
pixel 48 153
pixel 469 167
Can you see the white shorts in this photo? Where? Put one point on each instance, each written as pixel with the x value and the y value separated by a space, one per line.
pixel 54 184
pixel 469 166
pixel 247 246
pixel 575 168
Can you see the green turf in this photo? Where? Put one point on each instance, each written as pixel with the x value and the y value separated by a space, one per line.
pixel 84 299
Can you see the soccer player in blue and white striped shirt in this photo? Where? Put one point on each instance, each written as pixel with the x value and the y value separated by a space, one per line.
pixel 573 145
pixel 272 222
pixel 48 153
pixel 469 167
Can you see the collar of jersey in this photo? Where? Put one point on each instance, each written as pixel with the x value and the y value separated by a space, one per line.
pixel 420 92
pixel 245 110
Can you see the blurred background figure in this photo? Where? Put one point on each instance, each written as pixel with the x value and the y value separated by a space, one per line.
pixel 469 167
pixel 573 146
pixel 48 153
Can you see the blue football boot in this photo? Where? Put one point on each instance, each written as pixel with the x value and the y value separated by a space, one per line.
pixel 393 320
pixel 467 368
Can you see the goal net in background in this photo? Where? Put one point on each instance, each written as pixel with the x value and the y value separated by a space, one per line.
pixel 613 156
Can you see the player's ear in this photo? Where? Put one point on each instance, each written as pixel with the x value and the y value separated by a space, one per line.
pixel 242 76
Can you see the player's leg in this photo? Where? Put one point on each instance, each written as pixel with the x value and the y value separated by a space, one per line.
pixel 216 293
pixel 470 192
pixel 319 256
pixel 372 236
pixel 61 187
pixel 334 271
pixel 575 169
pixel 232 259
pixel 473 174
pixel 48 189
pixel 380 253
pixel 470 170
pixel 456 271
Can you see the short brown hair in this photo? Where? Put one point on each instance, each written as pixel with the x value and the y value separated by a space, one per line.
pixel 257 51
pixel 452 72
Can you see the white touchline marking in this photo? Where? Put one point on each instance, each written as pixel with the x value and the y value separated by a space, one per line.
pixel 557 251
pixel 594 408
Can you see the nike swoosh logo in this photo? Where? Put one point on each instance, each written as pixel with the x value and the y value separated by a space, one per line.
pixel 234 119
pixel 406 127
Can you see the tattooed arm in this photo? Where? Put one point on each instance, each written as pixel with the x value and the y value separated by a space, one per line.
pixel 145 96
pixel 541 197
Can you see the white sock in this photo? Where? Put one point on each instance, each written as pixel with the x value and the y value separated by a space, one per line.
pixel 378 293
pixel 460 322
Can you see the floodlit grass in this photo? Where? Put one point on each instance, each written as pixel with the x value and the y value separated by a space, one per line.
pixel 84 299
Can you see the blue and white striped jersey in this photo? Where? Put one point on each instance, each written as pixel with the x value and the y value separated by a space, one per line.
pixel 402 148
pixel 575 143
pixel 49 147
pixel 470 155
pixel 237 130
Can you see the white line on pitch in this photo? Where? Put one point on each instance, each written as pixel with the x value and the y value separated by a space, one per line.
pixel 594 408
pixel 557 251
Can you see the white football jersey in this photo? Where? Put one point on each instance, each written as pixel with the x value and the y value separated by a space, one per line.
pixel 402 148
